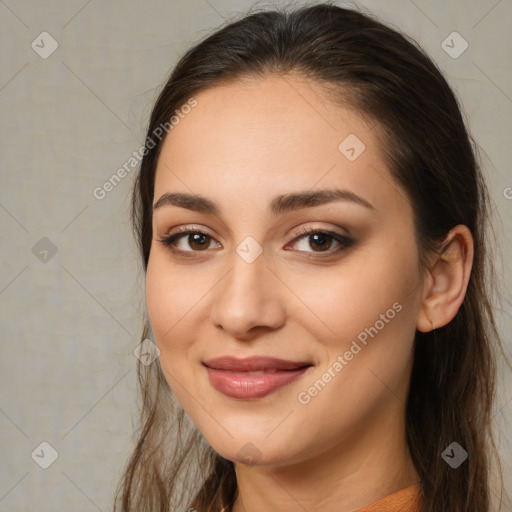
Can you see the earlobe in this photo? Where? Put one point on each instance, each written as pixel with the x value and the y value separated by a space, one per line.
pixel 446 285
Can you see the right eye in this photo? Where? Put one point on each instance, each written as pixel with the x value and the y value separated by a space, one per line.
pixel 196 239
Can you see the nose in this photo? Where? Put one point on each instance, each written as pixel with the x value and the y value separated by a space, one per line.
pixel 247 301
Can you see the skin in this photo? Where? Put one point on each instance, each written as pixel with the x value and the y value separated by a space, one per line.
pixel 244 144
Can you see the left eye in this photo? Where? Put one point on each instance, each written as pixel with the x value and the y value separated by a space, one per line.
pixel 322 240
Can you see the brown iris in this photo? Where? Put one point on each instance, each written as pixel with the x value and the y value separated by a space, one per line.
pixel 321 239
pixel 199 241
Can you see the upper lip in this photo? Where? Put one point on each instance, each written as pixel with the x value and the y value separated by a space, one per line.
pixel 253 364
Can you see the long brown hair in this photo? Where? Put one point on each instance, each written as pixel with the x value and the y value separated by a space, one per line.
pixel 388 78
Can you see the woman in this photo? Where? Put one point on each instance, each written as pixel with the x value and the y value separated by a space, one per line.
pixel 312 232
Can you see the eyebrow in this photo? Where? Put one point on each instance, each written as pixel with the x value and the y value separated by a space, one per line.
pixel 278 206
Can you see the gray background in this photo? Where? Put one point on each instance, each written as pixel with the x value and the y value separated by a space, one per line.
pixel 71 320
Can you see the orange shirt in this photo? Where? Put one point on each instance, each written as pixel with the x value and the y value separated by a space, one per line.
pixel 405 500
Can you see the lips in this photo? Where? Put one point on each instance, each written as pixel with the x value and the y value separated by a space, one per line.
pixel 253 377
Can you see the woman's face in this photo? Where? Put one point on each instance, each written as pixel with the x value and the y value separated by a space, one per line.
pixel 306 254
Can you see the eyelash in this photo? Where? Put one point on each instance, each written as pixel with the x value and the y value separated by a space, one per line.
pixel 344 241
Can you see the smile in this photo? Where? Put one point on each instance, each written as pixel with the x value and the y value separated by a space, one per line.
pixel 254 377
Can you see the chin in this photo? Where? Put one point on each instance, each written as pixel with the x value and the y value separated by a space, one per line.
pixel 255 449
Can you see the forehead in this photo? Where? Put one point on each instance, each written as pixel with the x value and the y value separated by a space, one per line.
pixel 254 138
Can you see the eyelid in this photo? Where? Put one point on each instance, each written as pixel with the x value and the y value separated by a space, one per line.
pixel 189 229
pixel 309 230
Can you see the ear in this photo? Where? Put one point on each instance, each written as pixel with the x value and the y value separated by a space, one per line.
pixel 447 280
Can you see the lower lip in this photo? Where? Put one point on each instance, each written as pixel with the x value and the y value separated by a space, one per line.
pixel 246 385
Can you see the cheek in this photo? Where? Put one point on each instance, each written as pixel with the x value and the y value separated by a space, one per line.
pixel 177 307
pixel 343 301
pixel 167 301
pixel 171 294
pixel 368 359
pixel 159 302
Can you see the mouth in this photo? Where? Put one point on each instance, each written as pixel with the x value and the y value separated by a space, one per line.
pixel 253 377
